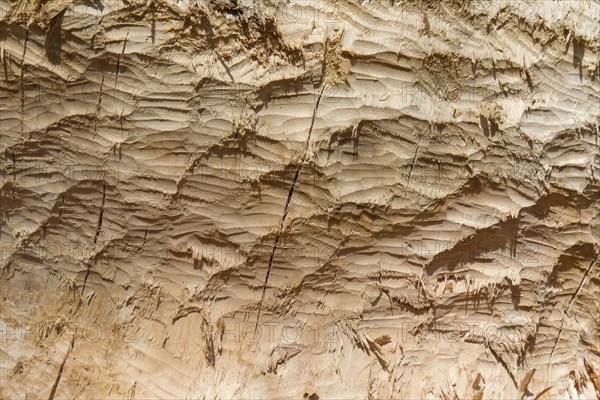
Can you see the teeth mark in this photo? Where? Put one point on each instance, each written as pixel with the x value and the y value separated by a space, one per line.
pixel 451 203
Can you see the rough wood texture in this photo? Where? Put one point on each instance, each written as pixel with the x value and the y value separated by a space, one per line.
pixel 288 199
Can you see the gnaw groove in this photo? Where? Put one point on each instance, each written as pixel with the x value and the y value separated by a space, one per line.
pixel 415 224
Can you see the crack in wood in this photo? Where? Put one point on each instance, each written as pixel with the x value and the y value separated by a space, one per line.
pixel 287 204
pixel 61 370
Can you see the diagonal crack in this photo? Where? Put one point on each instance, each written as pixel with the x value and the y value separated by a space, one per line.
pixel 22 72
pixel 101 214
pixel 412 167
pixel 567 308
pixel 60 370
pixel 98 228
pixel 585 275
pixel 502 362
pixel 98 105
pixel 119 58
pixel 287 204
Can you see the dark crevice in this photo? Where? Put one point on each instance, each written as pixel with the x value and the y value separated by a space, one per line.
pixel 98 228
pixel 412 167
pixel 99 104
pixel 567 308
pixel 226 67
pixel 53 41
pixel 60 371
pixel 101 214
pixel 119 58
pixel 503 363
pixel 287 204
pixel 23 78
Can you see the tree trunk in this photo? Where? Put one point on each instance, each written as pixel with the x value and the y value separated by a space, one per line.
pixel 299 199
